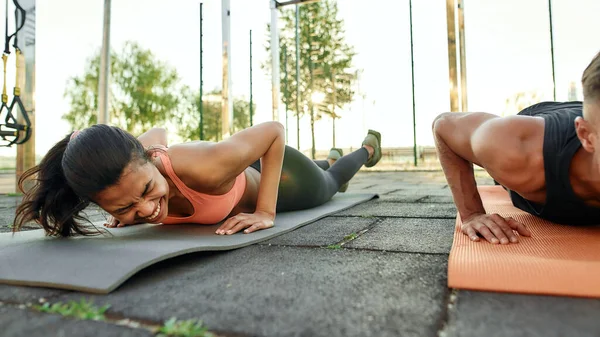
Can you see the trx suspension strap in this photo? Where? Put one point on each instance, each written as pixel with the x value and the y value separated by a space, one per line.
pixel 11 129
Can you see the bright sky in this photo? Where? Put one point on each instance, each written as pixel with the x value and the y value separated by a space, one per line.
pixel 508 50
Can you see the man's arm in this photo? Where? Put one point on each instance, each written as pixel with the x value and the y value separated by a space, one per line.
pixel 452 134
pixel 464 139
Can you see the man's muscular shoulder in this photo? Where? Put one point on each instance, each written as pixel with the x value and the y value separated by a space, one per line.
pixel 511 150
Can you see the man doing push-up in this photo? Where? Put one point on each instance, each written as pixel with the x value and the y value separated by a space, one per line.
pixel 547 157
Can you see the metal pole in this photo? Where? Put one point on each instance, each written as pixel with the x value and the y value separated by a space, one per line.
pixel 452 62
pixel 552 47
pixel 463 57
pixel 251 78
pixel 297 77
pixel 285 90
pixel 275 60
pixel 311 105
pixel 227 101
pixel 200 107
pixel 334 101
pixel 412 70
pixel 103 80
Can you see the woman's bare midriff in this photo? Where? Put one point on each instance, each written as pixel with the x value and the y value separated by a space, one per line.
pixel 248 202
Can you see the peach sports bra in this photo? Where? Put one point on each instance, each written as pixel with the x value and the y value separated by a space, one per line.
pixel 208 209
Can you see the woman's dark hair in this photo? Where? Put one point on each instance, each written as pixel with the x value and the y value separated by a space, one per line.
pixel 71 175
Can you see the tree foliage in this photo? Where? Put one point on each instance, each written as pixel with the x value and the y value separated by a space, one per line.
pixel 143 91
pixel 188 119
pixel 520 101
pixel 325 60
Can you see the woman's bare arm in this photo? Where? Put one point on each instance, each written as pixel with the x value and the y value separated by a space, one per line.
pixel 154 136
pixel 225 160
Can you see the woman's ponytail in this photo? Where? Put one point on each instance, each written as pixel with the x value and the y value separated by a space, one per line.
pixel 50 201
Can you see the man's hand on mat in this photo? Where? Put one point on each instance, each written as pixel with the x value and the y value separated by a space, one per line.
pixel 250 221
pixel 494 228
pixel 112 223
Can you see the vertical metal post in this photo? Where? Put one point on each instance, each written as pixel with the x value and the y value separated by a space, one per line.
pixel 251 102
pixel 334 102
pixel 463 57
pixel 227 99
pixel 297 77
pixel 412 70
pixel 200 106
pixel 103 116
pixel 552 47
pixel 285 90
pixel 311 84
pixel 275 60
pixel 452 62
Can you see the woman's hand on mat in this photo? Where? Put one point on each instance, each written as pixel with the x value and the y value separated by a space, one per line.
pixel 111 222
pixel 250 222
pixel 494 228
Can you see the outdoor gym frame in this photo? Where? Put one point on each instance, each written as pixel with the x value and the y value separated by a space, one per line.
pixel 453 8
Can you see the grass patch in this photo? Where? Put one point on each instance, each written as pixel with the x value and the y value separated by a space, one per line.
pixel 350 237
pixel 12 194
pixel 81 310
pixel 336 246
pixel 189 328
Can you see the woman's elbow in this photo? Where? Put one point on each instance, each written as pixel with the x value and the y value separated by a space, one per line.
pixel 278 128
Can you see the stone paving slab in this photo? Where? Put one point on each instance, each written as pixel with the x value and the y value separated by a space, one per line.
pixel 433 236
pixel 288 291
pixel 393 209
pixel 440 199
pixel 498 315
pixel 408 198
pixel 274 290
pixel 422 191
pixel 24 295
pixel 324 232
pixel 9 201
pixel 416 197
pixel 15 322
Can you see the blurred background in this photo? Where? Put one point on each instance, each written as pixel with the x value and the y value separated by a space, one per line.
pixel 358 68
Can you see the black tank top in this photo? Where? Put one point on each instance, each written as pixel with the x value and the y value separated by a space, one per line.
pixel 560 144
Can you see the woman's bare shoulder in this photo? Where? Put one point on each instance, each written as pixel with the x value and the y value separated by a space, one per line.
pixel 193 164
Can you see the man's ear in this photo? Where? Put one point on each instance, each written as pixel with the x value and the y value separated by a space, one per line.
pixel 586 134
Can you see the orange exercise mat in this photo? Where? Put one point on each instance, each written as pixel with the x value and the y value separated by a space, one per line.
pixel 555 260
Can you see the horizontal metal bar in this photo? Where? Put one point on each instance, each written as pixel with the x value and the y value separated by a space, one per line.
pixel 294 2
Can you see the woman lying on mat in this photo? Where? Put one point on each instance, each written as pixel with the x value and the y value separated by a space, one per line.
pixel 243 180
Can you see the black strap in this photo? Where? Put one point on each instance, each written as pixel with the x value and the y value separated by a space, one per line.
pixel 11 127
pixel 19 26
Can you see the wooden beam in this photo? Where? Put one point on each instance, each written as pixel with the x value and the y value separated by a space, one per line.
pixel 463 57
pixel 452 62
pixel 26 152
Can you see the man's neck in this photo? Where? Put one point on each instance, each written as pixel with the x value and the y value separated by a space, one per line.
pixel 584 175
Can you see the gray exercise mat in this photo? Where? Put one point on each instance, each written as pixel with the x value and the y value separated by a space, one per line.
pixel 102 263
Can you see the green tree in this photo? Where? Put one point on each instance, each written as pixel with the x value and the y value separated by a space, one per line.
pixel 188 118
pixel 325 60
pixel 144 92
pixel 520 101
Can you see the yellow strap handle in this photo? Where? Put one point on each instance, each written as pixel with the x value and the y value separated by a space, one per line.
pixel 4 95
pixel 17 90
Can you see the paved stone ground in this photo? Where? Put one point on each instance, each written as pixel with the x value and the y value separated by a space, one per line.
pixel 387 279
